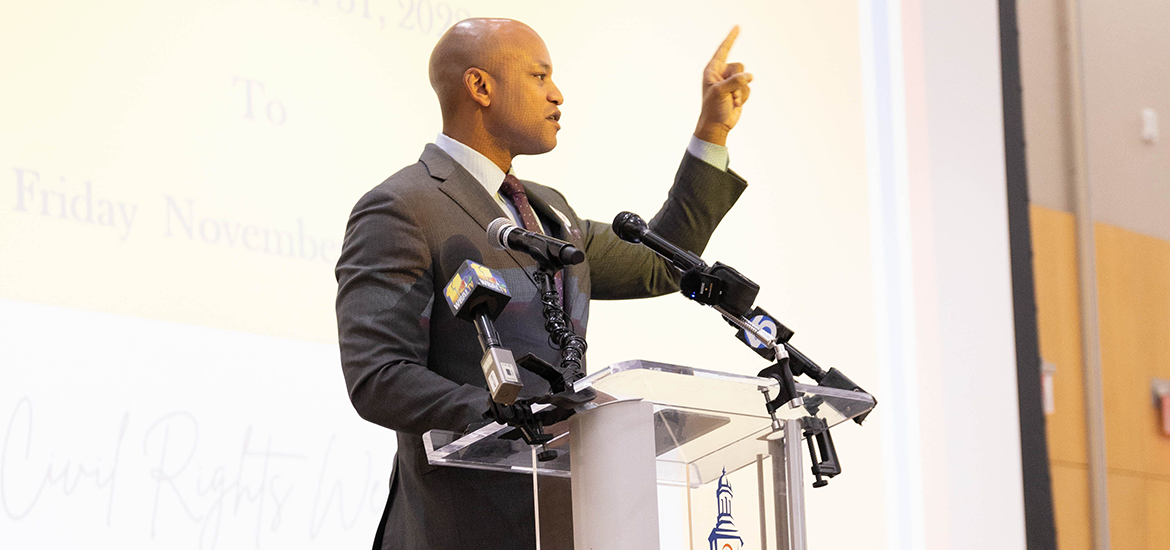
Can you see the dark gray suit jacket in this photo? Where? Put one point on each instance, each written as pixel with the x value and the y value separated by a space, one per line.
pixel 411 366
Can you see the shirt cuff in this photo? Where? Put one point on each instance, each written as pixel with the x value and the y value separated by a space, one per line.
pixel 715 155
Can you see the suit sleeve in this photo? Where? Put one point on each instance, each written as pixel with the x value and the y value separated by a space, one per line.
pixel 698 200
pixel 384 300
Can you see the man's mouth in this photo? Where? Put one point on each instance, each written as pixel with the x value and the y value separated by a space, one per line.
pixel 555 117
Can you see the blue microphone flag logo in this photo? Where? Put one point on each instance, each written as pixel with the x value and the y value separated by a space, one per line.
pixel 767 325
pixel 470 276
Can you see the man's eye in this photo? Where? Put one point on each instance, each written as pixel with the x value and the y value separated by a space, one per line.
pixel 540 76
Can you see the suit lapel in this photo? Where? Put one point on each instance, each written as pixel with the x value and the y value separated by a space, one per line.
pixel 462 187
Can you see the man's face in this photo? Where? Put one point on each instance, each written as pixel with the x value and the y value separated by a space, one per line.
pixel 524 114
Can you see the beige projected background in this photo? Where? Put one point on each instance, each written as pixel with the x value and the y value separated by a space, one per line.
pixel 194 164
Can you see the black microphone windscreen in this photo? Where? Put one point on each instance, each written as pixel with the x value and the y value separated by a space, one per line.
pixel 629 227
pixel 455 250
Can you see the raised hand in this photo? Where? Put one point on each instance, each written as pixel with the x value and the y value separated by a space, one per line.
pixel 725 90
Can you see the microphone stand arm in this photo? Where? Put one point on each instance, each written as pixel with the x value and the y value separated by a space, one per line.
pixel 780 370
pixel 732 295
pixel 813 428
pixel 561 395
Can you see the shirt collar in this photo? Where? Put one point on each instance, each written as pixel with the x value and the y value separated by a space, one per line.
pixel 483 170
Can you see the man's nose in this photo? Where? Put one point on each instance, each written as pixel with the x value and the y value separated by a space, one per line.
pixel 555 96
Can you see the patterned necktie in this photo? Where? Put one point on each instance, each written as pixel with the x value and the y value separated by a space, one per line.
pixel 513 189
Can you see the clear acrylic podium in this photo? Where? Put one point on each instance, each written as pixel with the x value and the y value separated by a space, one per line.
pixel 675 431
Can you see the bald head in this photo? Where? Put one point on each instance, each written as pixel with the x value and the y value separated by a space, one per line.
pixel 487 44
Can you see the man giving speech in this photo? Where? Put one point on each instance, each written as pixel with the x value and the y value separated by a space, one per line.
pixel 409 364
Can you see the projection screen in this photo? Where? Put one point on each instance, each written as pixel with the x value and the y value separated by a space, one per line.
pixel 174 184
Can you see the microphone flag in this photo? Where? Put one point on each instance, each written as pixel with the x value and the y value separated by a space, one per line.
pixel 473 285
pixel 768 325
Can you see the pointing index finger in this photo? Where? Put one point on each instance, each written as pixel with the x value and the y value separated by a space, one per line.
pixel 725 48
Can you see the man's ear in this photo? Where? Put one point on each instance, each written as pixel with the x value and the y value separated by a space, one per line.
pixel 480 85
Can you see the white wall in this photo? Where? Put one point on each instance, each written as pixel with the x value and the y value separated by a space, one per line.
pixel 937 178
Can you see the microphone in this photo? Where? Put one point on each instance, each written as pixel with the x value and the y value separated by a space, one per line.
pixel 478 294
pixel 718 285
pixel 503 235
pixel 733 294
pixel 630 227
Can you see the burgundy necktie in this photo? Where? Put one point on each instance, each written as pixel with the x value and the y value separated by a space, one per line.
pixel 514 190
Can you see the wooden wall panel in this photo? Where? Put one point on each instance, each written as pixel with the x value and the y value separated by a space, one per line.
pixel 1058 319
pixel 1133 278
pixel 1139 511
pixel 1158 512
pixel 1070 499
pixel 1133 291
pixel 1058 316
pixel 1128 513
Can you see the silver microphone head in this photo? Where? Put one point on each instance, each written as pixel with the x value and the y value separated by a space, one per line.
pixel 497 232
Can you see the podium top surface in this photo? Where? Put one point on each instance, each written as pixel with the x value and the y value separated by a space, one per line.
pixel 705 421
pixel 688 387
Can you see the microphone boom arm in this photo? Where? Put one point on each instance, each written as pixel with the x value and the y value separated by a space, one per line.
pixel 732 295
